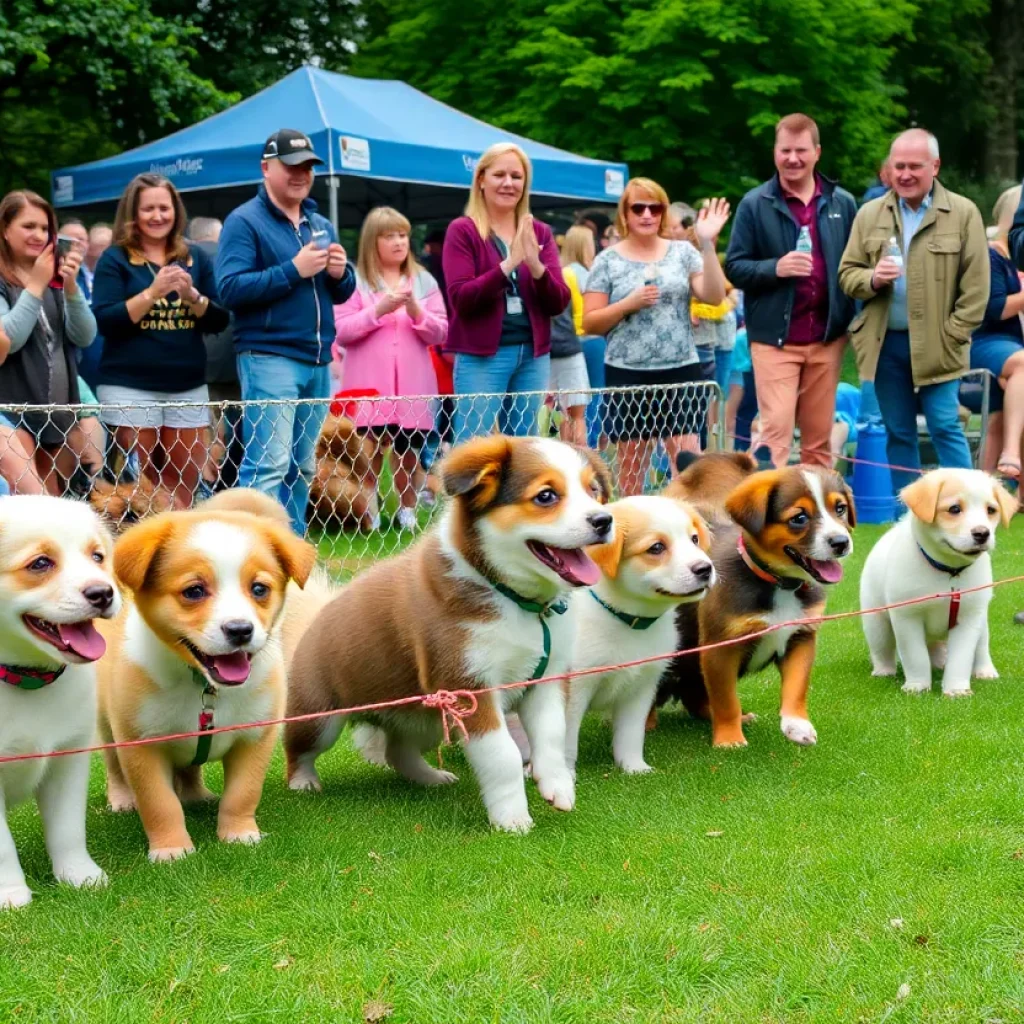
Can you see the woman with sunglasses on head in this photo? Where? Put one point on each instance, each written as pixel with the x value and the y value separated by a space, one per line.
pixel 154 296
pixel 504 284
pixel 638 296
pixel 44 321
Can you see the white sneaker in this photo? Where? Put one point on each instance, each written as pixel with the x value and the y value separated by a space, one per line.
pixel 406 519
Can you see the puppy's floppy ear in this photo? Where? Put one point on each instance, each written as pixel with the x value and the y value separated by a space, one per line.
pixel 138 547
pixel 922 496
pixel 748 504
pixel 851 508
pixel 297 557
pixel 1007 502
pixel 608 556
pixel 601 474
pixel 473 470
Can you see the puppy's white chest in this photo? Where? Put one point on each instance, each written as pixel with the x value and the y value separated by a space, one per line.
pixel 787 609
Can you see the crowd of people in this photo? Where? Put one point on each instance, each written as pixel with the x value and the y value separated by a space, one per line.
pixel 143 323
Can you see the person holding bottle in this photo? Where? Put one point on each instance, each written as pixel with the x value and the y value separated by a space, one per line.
pixel 784 255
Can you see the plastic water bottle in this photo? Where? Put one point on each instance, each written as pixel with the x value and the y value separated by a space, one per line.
pixel 895 253
pixel 803 240
pixel 652 273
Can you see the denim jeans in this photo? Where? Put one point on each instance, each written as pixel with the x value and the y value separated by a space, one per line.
pixel 593 353
pixel 723 369
pixel 894 388
pixel 512 369
pixel 280 440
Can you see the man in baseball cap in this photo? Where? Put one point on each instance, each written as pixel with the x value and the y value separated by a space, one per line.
pixel 291 148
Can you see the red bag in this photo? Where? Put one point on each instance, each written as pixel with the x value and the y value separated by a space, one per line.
pixel 443 371
pixel 340 407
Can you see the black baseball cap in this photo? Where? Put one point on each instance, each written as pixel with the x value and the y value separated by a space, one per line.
pixel 290 147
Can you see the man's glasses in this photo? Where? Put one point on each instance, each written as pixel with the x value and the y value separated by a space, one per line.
pixel 657 209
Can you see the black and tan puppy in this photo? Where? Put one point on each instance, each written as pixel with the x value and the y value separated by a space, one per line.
pixel 788 530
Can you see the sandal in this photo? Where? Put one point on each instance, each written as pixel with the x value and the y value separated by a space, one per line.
pixel 1009 468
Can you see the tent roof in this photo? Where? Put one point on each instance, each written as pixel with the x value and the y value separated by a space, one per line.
pixel 384 131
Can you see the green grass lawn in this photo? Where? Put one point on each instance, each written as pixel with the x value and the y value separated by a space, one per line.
pixel 876 877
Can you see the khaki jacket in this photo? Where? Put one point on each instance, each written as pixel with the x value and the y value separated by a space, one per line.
pixel 947 272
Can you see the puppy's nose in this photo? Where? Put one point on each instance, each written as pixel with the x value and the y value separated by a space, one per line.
pixel 981 534
pixel 601 522
pixel 99 595
pixel 839 545
pixel 702 570
pixel 238 631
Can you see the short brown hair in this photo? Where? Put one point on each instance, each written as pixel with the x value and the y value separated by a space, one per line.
pixel 652 188
pixel 126 232
pixel 797 123
pixel 10 206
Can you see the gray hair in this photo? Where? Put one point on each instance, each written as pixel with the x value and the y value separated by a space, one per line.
pixel 916 133
pixel 683 211
pixel 204 229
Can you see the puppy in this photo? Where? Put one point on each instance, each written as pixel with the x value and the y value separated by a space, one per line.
pixel 126 502
pixel 343 495
pixel 197 648
pixel 477 602
pixel 790 530
pixel 656 561
pixel 705 481
pixel 943 543
pixel 55 579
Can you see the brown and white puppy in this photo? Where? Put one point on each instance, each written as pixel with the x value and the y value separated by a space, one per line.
pixel 705 481
pixel 55 580
pixel 477 602
pixel 790 530
pixel 123 504
pixel 197 648
pixel 944 543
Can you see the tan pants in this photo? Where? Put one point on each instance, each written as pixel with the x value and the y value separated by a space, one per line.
pixel 796 385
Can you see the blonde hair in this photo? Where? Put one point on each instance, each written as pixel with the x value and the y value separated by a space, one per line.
pixel 578 246
pixel 379 221
pixel 652 188
pixel 1006 204
pixel 476 208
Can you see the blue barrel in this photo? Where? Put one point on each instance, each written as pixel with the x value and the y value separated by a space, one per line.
pixel 872 485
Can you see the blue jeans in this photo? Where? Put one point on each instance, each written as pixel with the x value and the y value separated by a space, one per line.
pixel 723 370
pixel 512 369
pixel 894 388
pixel 280 440
pixel 593 353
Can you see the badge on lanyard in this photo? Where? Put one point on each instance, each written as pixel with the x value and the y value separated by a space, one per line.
pixel 513 304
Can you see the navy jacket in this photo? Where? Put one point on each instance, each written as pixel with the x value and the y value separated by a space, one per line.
pixel 762 233
pixel 276 310
pixel 1017 236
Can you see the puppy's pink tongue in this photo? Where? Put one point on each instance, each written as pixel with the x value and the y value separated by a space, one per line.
pixel 83 639
pixel 830 572
pixel 232 668
pixel 579 565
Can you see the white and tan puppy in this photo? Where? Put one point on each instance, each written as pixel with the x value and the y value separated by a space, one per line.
pixel 656 561
pixel 197 648
pixel 942 544
pixel 55 579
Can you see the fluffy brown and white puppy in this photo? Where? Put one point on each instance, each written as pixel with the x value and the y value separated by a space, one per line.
pixel 127 502
pixel 477 602
pixel 197 648
pixel 790 528
pixel 705 481
pixel 55 580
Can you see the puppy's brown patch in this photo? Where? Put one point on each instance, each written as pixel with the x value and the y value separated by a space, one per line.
pixel 123 504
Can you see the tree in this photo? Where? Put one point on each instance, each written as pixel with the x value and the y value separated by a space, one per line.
pixel 81 78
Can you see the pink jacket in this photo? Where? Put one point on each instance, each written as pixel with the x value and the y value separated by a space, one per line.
pixel 389 354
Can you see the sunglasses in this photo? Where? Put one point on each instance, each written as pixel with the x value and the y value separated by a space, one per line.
pixel 657 209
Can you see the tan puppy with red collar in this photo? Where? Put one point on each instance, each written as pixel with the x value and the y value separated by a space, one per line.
pixel 197 648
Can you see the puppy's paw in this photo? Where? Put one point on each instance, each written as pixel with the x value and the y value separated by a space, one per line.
pixel 199 795
pixel 985 672
pixel 306 782
pixel 13 896
pixel 917 686
pixel 748 716
pixel 637 768
pixel 79 873
pixel 248 838
pixel 883 669
pixel 164 854
pixel 961 691
pixel 799 730
pixel 559 790
pixel 121 802
pixel 728 738
pixel 937 655
pixel 518 824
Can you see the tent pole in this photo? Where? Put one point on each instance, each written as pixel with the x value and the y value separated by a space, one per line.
pixel 333 185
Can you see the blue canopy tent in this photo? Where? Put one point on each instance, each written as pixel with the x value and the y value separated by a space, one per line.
pixel 382 142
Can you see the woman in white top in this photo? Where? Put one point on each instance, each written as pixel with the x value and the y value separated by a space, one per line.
pixel 638 296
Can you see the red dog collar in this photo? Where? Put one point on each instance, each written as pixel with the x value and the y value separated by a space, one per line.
pixel 28 678
pixel 762 571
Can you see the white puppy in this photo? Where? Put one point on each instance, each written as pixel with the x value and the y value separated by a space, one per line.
pixel 54 580
pixel 656 561
pixel 942 544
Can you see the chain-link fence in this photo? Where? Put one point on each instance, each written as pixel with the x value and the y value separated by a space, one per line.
pixel 357 473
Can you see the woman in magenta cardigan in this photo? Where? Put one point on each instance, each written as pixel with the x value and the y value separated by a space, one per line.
pixel 504 284
pixel 383 333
